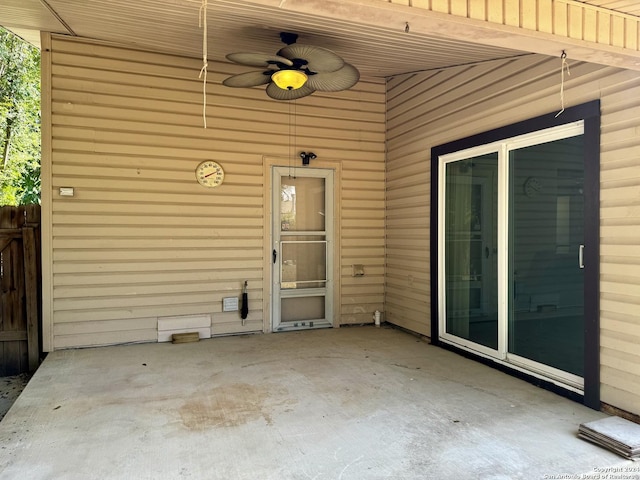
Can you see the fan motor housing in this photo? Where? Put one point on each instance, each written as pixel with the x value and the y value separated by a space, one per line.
pixel 288 38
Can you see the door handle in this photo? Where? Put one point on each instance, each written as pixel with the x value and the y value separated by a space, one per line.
pixel 275 255
pixel 581 256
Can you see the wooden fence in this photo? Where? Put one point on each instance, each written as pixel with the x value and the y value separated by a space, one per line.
pixel 20 289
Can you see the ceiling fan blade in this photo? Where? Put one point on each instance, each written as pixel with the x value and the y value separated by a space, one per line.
pixel 342 79
pixel 249 79
pixel 319 59
pixel 278 93
pixel 258 59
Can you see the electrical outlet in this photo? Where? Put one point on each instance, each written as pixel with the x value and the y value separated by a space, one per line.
pixel 358 270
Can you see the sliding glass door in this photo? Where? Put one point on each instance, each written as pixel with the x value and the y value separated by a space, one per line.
pixel 546 314
pixel 470 247
pixel 511 243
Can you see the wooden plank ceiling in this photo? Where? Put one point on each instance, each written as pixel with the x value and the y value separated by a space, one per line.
pixel 378 46
pixel 171 26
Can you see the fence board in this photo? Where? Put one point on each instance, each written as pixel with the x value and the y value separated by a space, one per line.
pixel 20 287
pixel 31 294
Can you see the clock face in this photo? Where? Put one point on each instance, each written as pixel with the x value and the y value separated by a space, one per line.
pixel 532 186
pixel 209 174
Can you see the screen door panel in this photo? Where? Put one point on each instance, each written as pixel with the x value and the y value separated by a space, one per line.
pixel 303 220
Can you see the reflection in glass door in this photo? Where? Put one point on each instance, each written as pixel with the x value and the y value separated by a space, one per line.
pixel 546 317
pixel 511 243
pixel 302 249
pixel 470 249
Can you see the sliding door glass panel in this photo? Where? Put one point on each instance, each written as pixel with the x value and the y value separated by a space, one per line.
pixel 471 249
pixel 546 311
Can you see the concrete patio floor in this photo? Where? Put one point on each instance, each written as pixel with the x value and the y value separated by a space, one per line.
pixel 350 403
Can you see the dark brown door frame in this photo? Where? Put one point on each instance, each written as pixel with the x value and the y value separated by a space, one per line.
pixel 590 113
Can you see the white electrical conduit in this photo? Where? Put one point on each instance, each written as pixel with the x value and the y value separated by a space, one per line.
pixel 203 71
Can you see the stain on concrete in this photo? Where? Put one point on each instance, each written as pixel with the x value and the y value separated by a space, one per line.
pixel 10 389
pixel 232 405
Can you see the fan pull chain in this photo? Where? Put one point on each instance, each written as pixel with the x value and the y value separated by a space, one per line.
pixel 564 65
pixel 202 23
pixel 292 128
pixel 289 149
pixel 295 134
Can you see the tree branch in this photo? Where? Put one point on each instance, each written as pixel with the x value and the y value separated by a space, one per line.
pixel 8 133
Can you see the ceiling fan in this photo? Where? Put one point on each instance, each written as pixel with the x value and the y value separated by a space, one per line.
pixel 295 71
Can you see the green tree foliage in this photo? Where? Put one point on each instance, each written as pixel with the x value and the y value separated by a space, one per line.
pixel 19 121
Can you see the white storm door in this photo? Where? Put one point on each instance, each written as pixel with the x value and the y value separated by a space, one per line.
pixel 302 250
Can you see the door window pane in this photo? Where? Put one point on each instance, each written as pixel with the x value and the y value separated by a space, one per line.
pixel 304 264
pixel 547 222
pixel 302 309
pixel 471 270
pixel 302 204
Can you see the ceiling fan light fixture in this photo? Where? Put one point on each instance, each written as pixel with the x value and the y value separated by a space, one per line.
pixel 289 79
pixel 295 71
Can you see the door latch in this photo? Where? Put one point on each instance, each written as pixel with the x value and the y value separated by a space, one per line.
pixel 275 255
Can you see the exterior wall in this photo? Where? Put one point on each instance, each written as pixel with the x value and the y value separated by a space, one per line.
pixel 566 18
pixel 428 109
pixel 140 239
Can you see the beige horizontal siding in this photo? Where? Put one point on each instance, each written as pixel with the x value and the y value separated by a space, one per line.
pixel 429 109
pixel 620 246
pixel 361 242
pixel 140 239
pixel 573 19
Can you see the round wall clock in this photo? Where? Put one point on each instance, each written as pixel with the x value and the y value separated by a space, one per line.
pixel 532 186
pixel 210 174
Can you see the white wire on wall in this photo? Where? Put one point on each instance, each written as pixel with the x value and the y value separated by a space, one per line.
pixel 205 63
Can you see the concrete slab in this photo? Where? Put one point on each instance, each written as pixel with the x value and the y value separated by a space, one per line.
pixel 353 403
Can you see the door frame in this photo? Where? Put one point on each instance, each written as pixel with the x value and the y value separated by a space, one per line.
pixel 267 215
pixel 590 113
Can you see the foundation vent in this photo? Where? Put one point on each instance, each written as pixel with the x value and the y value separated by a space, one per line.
pixel 167 326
